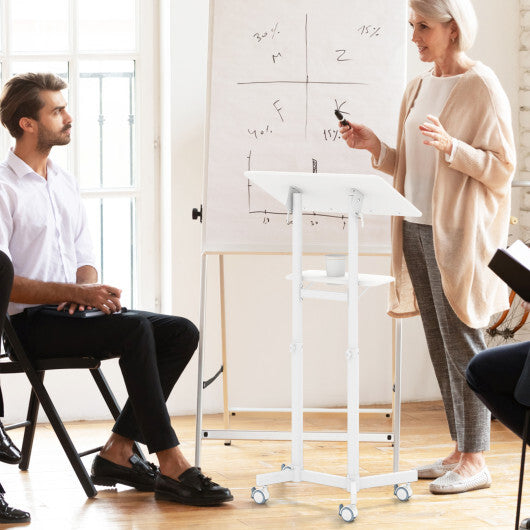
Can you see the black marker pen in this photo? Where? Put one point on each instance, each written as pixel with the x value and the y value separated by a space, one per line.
pixel 340 117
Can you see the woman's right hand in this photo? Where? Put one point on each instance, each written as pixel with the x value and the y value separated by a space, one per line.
pixel 358 136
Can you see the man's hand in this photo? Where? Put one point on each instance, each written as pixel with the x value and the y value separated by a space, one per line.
pixel 82 295
pixel 73 307
pixel 104 297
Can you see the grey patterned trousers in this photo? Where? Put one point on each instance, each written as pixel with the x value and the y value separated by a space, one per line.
pixel 452 344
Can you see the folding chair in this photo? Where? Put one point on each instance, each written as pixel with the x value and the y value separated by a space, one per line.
pixel 18 362
pixel 522 396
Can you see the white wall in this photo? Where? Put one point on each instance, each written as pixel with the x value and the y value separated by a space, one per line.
pixel 257 296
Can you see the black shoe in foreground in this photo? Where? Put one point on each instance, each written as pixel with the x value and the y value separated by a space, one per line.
pixel 192 487
pixel 10 515
pixel 141 475
pixel 9 452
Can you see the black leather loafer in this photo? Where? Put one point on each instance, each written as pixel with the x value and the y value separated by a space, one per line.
pixel 141 475
pixel 193 488
pixel 9 452
pixel 10 515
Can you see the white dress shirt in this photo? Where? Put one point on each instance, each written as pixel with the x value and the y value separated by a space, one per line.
pixel 43 227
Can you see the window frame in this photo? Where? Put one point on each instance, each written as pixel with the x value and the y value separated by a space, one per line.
pixel 145 191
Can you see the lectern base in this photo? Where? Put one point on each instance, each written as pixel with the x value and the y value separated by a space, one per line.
pixel 403 492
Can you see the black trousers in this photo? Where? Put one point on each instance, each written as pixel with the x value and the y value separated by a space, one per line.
pixel 153 351
pixel 6 282
pixel 493 374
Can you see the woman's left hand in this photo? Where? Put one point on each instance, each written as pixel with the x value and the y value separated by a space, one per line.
pixel 438 136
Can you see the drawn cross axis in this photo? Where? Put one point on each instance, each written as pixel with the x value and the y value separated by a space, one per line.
pixel 305 82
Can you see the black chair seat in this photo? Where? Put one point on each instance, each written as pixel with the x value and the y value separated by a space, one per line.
pixel 59 363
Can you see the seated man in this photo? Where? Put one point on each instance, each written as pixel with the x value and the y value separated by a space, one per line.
pixel 43 230
pixel 8 452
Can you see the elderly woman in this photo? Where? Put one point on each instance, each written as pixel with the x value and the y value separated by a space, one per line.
pixel 454 160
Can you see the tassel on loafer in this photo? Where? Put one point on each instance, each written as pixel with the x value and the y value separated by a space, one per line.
pixel 192 488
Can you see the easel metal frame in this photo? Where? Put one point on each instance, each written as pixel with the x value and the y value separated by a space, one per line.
pixel 228 434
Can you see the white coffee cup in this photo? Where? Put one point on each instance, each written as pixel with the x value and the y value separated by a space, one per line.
pixel 335 265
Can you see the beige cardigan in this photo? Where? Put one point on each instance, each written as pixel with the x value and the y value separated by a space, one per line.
pixel 470 202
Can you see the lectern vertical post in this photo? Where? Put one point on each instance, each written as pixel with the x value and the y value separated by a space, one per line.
pixel 352 353
pixel 297 364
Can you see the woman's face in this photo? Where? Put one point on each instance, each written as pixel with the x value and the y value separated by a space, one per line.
pixel 433 39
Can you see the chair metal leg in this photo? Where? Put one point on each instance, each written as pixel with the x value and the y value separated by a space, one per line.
pixel 60 431
pixel 521 471
pixel 106 392
pixel 111 402
pixel 29 430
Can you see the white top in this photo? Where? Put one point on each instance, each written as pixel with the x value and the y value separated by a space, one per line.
pixel 421 158
pixel 43 227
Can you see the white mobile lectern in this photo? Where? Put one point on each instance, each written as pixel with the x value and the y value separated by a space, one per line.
pixel 353 195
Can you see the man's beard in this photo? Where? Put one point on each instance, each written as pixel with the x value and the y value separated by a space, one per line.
pixel 47 139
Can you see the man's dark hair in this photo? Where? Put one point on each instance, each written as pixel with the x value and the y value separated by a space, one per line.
pixel 21 98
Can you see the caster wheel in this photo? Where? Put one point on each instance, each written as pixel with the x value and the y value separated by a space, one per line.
pixel 403 493
pixel 260 496
pixel 284 466
pixel 348 513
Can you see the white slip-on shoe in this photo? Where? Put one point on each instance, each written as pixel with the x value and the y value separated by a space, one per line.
pixel 434 470
pixel 452 482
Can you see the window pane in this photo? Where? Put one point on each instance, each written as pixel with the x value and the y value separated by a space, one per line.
pixel 107 26
pixel 38 26
pixel 59 154
pixel 59 68
pixel 111 223
pixel 1 28
pixel 106 123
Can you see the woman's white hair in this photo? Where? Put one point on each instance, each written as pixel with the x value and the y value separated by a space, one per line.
pixel 461 11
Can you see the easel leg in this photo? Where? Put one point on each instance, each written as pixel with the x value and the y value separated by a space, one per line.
pixel 226 410
pixel 200 368
pixel 396 394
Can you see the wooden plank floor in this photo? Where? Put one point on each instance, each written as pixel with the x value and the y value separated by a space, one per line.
pixel 50 491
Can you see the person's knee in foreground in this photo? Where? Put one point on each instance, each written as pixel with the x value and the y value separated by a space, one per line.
pixel 455 159
pixel 9 453
pixel 43 230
